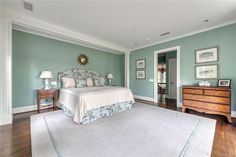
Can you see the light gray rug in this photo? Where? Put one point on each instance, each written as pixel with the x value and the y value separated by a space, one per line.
pixel 144 130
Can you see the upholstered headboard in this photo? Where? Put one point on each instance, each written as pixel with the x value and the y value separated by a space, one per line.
pixel 77 73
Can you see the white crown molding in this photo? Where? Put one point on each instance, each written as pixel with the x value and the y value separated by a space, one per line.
pixel 47 35
pixel 42 28
pixel 144 98
pixel 22 109
pixel 185 35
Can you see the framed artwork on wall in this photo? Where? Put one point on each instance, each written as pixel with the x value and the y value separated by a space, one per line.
pixel 204 72
pixel 141 74
pixel 224 83
pixel 206 55
pixel 141 64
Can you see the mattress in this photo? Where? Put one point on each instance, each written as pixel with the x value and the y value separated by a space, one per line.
pixel 81 100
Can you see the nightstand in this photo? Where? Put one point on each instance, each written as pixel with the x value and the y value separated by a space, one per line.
pixel 47 94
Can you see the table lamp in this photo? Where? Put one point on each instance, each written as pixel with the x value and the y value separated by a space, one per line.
pixel 109 77
pixel 46 75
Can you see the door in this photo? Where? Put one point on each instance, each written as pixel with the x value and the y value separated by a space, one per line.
pixel 172 74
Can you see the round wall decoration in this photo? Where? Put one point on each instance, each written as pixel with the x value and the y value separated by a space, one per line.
pixel 82 59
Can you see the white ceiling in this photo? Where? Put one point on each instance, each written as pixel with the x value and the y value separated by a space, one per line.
pixel 130 23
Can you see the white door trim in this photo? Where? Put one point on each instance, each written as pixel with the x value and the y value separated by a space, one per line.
pixel 127 77
pixel 6 71
pixel 155 93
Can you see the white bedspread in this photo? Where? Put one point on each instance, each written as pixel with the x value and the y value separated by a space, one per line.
pixel 81 100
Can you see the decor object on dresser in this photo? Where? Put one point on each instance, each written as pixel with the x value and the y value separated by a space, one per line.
pixel 47 94
pixel 206 55
pixel 82 59
pixel 206 72
pixel 204 83
pixel 46 75
pixel 109 77
pixel 224 83
pixel 212 100
pixel 141 74
pixel 141 64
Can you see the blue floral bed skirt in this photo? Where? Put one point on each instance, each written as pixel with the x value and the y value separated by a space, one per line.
pixel 104 111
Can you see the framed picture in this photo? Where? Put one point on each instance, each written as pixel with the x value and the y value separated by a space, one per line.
pixel 206 55
pixel 141 64
pixel 224 83
pixel 141 74
pixel 206 72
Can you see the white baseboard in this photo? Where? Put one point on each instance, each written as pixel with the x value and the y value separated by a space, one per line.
pixel 180 104
pixel 29 108
pixel 233 114
pixel 7 119
pixel 144 98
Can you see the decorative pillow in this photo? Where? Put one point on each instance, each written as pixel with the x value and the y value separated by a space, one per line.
pixel 100 81
pixel 68 82
pixel 89 82
pixel 81 83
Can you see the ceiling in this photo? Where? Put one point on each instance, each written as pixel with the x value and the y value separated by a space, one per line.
pixel 130 24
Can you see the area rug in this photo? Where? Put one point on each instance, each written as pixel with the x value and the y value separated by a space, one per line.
pixel 143 131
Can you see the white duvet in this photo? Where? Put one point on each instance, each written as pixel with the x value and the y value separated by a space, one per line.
pixel 81 100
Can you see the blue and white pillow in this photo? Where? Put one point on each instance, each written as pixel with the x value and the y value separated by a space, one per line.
pixel 100 81
pixel 81 83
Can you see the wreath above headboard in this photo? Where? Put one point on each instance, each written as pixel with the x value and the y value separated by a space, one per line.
pixel 77 74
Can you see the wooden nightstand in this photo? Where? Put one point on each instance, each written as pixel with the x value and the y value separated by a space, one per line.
pixel 47 94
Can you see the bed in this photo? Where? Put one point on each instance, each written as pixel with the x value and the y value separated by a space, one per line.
pixel 86 103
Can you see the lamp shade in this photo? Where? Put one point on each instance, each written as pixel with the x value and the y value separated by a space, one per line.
pixel 46 75
pixel 109 76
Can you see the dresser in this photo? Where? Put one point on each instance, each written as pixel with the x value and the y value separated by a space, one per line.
pixel 211 100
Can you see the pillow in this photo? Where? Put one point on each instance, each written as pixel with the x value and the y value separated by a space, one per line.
pixel 81 83
pixel 100 81
pixel 89 82
pixel 68 82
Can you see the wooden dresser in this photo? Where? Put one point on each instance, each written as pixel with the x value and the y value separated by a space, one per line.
pixel 212 100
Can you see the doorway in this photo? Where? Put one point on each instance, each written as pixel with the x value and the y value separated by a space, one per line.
pixel 167 76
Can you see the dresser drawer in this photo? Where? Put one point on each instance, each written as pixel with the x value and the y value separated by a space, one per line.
pixel 207 106
pixel 211 99
pixel 50 91
pixel 192 91
pixel 45 96
pixel 217 93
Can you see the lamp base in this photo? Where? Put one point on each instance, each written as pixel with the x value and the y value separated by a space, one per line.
pixel 109 82
pixel 46 81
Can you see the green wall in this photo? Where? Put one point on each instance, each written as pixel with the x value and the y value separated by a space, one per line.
pixel 224 37
pixel 33 54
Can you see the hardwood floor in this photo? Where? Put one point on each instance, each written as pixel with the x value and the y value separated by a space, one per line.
pixel 15 138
